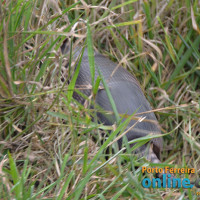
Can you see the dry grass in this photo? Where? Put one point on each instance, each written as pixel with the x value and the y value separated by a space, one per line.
pixel 52 154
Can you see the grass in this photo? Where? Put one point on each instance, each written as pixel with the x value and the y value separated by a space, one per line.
pixel 46 146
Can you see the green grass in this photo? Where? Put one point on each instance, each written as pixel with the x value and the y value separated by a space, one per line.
pixel 46 146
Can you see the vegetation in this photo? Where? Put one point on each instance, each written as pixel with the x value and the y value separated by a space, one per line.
pixel 46 145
